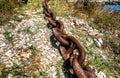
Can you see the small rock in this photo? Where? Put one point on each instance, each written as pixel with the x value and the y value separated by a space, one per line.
pixel 101 75
pixel 26 55
pixel 76 23
pixel 92 32
pixel 92 19
pixel 72 23
pixel 20 16
pixel 103 57
pixel 71 0
pixel 3 44
pixel 9 64
pixel 10 76
pixel 82 22
pixel 22 42
pixel 97 43
pixel 96 71
pixel 90 41
pixel 12 21
pixel 8 53
pixel 34 12
pixel 20 47
pixel 100 40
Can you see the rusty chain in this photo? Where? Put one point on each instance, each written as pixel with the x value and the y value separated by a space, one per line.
pixel 68 46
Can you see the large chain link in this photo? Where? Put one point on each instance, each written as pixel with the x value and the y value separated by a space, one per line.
pixel 68 46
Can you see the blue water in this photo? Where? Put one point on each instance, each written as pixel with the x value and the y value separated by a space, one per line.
pixel 112 7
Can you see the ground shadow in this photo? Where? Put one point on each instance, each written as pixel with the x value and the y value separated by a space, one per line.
pixel 53 42
pixel 66 64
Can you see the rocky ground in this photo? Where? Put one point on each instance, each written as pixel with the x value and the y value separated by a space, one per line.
pixel 27 48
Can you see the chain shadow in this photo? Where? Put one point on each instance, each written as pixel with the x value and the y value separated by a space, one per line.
pixel 66 65
pixel 53 42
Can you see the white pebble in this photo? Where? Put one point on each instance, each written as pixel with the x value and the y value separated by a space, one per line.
pixel 8 53
pixel 100 40
pixel 3 44
pixel 101 75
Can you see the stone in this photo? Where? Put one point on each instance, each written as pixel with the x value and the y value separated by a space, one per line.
pixel 3 44
pixel 26 55
pixel 82 22
pixel 89 41
pixel 10 75
pixel 97 43
pixel 103 57
pixel 71 0
pixel 100 40
pixel 92 32
pixel 8 53
pixel 20 16
pixel 12 21
pixel 101 75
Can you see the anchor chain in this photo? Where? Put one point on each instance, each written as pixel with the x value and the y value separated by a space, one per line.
pixel 68 46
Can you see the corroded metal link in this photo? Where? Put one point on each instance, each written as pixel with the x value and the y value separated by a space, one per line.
pixel 90 74
pixel 67 45
pixel 60 25
pixel 80 49
pixel 51 22
pixel 80 73
pixel 60 37
pixel 66 52
pixel 47 11
pixel 46 7
pixel 76 66
pixel 77 45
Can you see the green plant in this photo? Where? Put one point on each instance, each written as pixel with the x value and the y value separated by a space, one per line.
pixel 104 19
pixel 43 74
pixel 6 10
pixel 17 18
pixel 58 74
pixel 58 69
pixel 107 66
pixel 8 36
pixel 15 70
pixel 28 30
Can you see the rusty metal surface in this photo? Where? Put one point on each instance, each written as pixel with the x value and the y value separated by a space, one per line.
pixel 68 45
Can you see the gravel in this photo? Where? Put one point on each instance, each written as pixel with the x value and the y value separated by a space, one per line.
pixel 31 41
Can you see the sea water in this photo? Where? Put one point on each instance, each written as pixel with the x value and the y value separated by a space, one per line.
pixel 111 7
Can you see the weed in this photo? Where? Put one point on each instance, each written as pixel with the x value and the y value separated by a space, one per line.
pixel 8 36
pixel 58 74
pixel 107 66
pixel 28 30
pixel 58 69
pixel 17 18
pixel 15 70
pixel 6 10
pixel 43 74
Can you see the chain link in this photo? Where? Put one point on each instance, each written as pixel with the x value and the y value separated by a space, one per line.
pixel 68 46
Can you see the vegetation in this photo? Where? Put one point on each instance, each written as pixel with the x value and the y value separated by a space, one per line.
pixel 105 21
pixel 8 36
pixel 7 9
